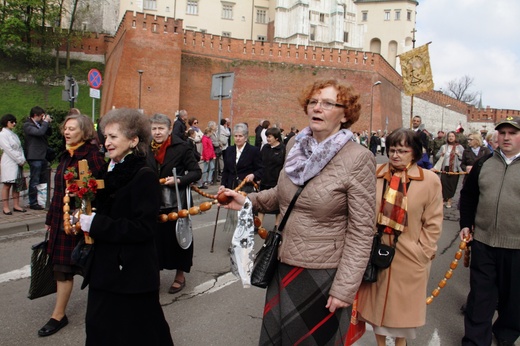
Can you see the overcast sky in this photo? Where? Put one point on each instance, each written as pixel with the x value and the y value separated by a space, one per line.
pixel 477 38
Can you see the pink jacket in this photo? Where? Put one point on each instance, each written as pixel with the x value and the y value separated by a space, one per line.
pixel 208 152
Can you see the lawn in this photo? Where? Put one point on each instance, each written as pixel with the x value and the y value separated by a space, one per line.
pixel 18 99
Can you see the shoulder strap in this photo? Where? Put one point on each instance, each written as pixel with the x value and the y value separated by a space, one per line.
pixel 290 207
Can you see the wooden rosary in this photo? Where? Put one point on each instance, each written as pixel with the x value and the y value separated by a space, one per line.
pixel 205 206
pixel 458 255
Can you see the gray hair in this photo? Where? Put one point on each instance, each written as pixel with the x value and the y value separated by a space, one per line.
pixel 212 124
pixel 242 129
pixel 159 118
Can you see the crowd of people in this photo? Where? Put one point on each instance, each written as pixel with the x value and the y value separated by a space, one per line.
pixel 318 174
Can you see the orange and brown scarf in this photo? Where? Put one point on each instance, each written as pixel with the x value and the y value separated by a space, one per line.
pixel 393 213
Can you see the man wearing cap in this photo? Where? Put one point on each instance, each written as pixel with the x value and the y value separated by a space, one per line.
pixel 489 210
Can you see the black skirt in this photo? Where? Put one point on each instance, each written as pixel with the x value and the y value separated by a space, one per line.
pixel 171 255
pixel 125 319
pixel 449 184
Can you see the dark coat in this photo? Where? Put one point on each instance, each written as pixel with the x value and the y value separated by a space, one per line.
pixel 125 259
pixel 273 160
pixel 469 157
pixel 36 144
pixel 61 245
pixel 179 129
pixel 179 155
pixel 250 162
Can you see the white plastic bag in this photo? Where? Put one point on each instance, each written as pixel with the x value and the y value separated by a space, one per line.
pixel 242 245
pixel 42 194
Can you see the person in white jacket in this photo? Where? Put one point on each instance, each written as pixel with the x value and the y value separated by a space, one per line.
pixel 12 163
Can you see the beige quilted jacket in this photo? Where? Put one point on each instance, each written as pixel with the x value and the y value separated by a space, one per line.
pixel 332 223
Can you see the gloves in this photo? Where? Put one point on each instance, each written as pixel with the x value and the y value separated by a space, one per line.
pixel 86 221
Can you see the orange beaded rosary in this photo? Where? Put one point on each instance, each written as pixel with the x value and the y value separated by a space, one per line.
pixel 458 255
pixel 205 206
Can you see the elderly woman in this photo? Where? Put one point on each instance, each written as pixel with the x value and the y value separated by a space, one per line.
pixel 165 153
pixel 12 163
pixel 450 154
pixel 328 235
pixel 242 161
pixel 78 131
pixel 409 218
pixel 123 305
pixel 475 151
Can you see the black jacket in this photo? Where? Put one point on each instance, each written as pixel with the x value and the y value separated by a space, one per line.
pixel 250 162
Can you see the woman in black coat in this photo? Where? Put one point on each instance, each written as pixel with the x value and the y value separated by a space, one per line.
pixel 273 158
pixel 165 153
pixel 241 161
pixel 123 300
pixel 475 151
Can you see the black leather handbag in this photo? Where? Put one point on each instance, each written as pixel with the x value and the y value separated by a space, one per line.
pixel 266 260
pixel 381 257
pixel 42 275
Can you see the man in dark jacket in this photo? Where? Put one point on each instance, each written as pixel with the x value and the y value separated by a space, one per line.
pixel 290 135
pixel 179 126
pixel 36 130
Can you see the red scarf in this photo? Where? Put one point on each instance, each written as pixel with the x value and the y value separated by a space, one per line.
pixel 452 157
pixel 159 150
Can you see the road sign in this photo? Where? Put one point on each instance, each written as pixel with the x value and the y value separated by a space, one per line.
pixel 222 85
pixel 94 78
pixel 95 93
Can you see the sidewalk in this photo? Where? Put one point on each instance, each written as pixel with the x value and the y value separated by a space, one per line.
pixel 34 220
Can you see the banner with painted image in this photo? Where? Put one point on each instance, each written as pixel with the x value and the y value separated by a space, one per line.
pixel 416 70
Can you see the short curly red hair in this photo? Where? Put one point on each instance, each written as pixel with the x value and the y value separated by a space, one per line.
pixel 346 96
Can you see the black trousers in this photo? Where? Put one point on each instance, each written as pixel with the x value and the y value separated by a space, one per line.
pixel 494 278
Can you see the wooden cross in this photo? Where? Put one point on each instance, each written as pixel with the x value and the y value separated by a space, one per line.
pixel 83 173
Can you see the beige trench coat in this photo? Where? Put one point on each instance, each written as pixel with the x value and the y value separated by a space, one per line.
pixel 398 298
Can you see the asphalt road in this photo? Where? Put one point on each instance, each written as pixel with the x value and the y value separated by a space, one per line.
pixel 214 308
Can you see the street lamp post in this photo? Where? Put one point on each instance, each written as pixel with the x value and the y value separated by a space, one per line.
pixel 442 121
pixel 372 106
pixel 140 79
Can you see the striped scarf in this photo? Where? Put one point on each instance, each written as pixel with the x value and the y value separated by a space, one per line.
pixel 393 213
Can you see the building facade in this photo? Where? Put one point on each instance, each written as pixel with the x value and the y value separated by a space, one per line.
pixel 380 26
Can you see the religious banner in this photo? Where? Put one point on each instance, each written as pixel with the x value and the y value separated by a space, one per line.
pixel 416 70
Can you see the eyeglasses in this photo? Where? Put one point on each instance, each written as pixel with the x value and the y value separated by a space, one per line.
pixel 325 104
pixel 399 152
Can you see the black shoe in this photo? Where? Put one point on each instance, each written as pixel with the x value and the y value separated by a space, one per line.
pixel 8 213
pixel 53 326
pixel 36 207
pixel 203 187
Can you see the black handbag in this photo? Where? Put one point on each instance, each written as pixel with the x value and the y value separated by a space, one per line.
pixel 42 275
pixel 82 257
pixel 381 256
pixel 21 181
pixel 266 260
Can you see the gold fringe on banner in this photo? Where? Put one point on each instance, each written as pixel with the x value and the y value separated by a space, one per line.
pixel 416 70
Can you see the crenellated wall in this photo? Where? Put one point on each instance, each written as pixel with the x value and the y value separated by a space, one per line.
pixel 177 67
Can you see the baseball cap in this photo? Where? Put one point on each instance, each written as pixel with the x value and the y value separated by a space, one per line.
pixel 513 121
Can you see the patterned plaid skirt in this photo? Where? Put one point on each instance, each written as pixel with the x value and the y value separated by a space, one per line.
pixel 295 313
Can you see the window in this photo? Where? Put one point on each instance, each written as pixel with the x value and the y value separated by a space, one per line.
pixel 397 14
pixel 322 18
pixel 387 14
pixel 313 33
pixel 261 16
pixel 364 16
pixel 150 4
pixel 261 38
pixel 409 16
pixel 192 7
pixel 227 11
pixel 345 36
pixel 226 34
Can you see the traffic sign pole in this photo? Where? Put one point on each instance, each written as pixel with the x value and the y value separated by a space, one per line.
pixel 94 80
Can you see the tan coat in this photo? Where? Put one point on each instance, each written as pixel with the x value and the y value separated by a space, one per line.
pixel 331 225
pixel 398 298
